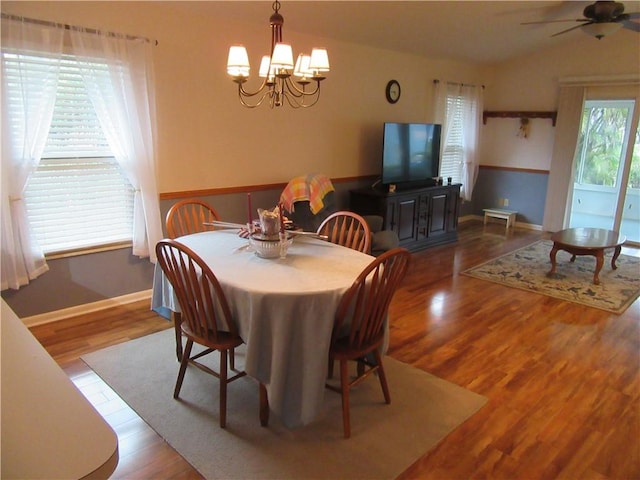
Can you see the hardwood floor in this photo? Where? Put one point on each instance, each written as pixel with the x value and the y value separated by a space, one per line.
pixel 563 380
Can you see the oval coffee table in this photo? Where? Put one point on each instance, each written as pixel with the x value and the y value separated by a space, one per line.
pixel 587 241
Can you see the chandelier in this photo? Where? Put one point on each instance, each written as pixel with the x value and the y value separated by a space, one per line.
pixel 277 70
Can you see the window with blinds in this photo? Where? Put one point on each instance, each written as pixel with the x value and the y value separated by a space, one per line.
pixel 453 152
pixel 79 197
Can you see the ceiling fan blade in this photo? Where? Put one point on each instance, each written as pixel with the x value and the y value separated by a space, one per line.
pixel 569 29
pixel 556 21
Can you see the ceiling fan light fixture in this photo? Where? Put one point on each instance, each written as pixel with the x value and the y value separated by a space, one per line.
pixel 601 29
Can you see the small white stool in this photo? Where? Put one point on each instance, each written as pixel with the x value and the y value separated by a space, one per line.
pixel 508 215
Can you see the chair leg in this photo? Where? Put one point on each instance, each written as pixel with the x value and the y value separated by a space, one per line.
pixel 382 376
pixel 223 388
pixel 232 359
pixel 344 383
pixel 183 368
pixel 264 406
pixel 330 368
pixel 177 322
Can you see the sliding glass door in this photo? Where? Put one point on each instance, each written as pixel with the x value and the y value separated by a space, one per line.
pixel 630 223
pixel 606 187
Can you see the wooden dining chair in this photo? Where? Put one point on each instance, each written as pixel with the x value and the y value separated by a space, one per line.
pixel 206 315
pixel 188 216
pixel 185 217
pixel 347 229
pixel 359 326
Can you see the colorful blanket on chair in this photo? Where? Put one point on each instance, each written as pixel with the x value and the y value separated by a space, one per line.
pixel 312 187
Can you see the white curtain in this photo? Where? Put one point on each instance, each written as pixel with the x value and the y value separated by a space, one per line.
pixel 24 133
pixel 470 105
pixel 570 105
pixel 471 120
pixel 125 104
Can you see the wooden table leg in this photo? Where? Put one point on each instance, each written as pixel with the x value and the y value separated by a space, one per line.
pixel 616 254
pixel 264 406
pixel 599 262
pixel 552 257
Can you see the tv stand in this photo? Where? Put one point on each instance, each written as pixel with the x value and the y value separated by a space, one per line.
pixel 421 217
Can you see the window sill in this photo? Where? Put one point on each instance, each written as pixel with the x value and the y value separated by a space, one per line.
pixel 87 250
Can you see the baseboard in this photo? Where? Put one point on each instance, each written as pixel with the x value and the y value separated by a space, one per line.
pixel 526 226
pixel 64 313
pixel 529 226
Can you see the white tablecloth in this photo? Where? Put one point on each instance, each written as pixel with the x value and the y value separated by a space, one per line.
pixel 284 308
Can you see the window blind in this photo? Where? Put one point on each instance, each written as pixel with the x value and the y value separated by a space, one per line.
pixel 453 153
pixel 79 196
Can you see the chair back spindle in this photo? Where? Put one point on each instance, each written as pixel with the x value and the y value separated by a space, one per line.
pixel 189 216
pixel 366 303
pixel 204 308
pixel 347 229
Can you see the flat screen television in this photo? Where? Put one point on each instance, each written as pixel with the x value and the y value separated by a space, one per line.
pixel 410 154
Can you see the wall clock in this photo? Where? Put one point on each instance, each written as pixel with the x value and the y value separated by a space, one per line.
pixel 392 91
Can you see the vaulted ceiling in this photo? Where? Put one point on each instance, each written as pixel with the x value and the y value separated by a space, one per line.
pixel 483 32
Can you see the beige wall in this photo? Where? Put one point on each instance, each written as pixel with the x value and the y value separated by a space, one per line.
pixel 532 82
pixel 207 140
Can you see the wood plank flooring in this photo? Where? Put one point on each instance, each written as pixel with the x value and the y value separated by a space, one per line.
pixel 563 380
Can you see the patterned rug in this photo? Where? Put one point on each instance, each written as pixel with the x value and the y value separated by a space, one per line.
pixel 527 269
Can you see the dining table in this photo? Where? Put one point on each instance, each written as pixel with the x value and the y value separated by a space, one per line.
pixel 284 308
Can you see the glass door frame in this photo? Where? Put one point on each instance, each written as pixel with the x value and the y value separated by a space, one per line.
pixel 625 159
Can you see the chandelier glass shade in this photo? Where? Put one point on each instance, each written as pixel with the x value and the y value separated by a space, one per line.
pixel 277 70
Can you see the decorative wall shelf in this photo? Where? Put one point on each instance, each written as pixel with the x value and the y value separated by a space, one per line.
pixel 519 114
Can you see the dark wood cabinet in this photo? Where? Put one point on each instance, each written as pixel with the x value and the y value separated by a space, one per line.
pixel 421 217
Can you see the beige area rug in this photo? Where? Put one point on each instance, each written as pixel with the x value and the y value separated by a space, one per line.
pixel 527 269
pixel 386 439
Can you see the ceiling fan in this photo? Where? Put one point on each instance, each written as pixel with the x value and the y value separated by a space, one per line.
pixel 602 18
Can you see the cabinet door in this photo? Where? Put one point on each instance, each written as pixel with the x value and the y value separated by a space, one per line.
pixel 452 213
pixel 406 218
pixel 438 214
pixel 422 225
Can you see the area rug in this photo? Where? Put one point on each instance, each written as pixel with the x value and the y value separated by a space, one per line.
pixel 385 439
pixel 527 269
